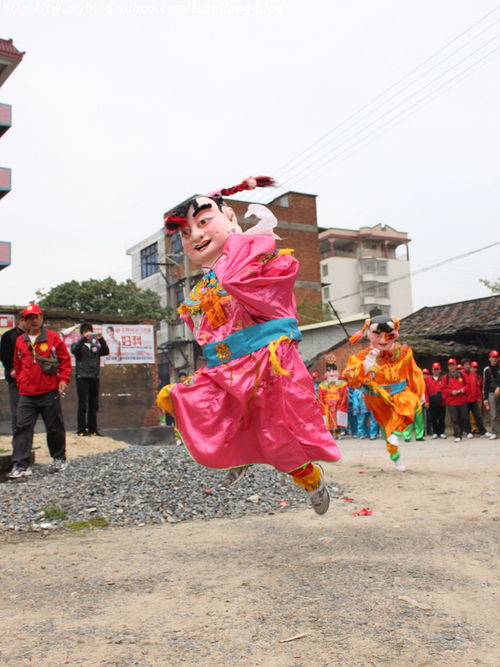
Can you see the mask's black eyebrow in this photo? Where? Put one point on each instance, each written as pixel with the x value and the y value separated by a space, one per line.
pixel 199 208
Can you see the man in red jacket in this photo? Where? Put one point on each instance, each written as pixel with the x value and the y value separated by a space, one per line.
pixel 476 394
pixel 434 399
pixel 42 368
pixel 456 392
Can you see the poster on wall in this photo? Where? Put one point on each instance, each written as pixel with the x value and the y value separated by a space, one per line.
pixel 6 322
pixel 128 343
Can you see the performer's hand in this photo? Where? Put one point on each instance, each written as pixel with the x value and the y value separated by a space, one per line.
pixel 370 360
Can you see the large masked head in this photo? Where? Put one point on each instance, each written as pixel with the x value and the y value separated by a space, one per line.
pixel 208 224
pixel 204 222
pixel 382 332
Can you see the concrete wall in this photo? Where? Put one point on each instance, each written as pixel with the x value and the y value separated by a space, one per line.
pixel 316 339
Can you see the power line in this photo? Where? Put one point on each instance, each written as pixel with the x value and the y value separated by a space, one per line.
pixel 404 113
pixel 309 169
pixel 394 85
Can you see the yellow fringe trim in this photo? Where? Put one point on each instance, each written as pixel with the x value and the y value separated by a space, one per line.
pixel 273 357
pixel 310 482
pixel 163 399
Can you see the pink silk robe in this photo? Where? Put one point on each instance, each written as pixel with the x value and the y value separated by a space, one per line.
pixel 242 411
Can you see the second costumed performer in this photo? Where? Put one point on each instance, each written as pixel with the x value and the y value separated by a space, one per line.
pixel 392 383
pixel 253 401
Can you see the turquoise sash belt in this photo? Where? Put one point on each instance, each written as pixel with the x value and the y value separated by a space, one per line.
pixel 394 388
pixel 249 340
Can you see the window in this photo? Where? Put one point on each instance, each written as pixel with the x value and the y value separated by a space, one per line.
pixel 176 247
pixel 324 270
pixel 179 294
pixel 382 267
pixel 149 260
pixel 369 288
pixel 383 290
pixel 283 201
pixel 368 265
pixel 326 293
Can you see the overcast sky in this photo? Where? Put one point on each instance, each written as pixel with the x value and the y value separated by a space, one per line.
pixel 122 109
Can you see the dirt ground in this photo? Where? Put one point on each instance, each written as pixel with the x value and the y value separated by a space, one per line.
pixel 415 583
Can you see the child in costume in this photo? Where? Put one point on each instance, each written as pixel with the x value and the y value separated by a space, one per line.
pixel 391 381
pixel 253 401
pixel 364 424
pixel 332 394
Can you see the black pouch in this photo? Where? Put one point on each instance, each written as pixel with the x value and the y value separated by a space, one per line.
pixel 49 365
pixel 435 399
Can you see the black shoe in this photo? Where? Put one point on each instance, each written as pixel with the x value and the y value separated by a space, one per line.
pixel 420 439
pixel 82 433
pixel 96 433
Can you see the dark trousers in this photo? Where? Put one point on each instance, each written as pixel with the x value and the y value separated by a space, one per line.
pixel 29 407
pixel 88 404
pixel 476 413
pixel 459 419
pixel 437 414
pixel 14 399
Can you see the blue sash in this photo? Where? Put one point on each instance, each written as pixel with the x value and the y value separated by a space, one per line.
pixel 249 340
pixel 394 388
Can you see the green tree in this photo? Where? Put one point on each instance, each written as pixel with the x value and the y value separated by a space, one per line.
pixel 493 285
pixel 104 296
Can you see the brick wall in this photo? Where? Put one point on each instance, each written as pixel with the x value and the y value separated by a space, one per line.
pixel 127 391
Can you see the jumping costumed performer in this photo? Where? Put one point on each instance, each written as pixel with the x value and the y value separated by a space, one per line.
pixel 392 383
pixel 253 401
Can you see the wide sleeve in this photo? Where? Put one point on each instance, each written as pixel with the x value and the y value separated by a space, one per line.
pixel 258 276
pixel 354 372
pixel 415 377
pixel 64 370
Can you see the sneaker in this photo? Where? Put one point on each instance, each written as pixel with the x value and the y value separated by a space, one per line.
pixel 372 437
pixel 407 440
pixel 17 472
pixel 469 436
pixel 420 439
pixel 81 433
pixel 493 436
pixel 399 465
pixel 457 439
pixel 486 434
pixel 435 436
pixel 234 475
pixel 97 433
pixel 320 499
pixel 58 465
pixel 443 436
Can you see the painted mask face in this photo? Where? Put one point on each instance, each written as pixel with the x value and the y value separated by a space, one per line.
pixel 382 337
pixel 207 229
pixel 332 375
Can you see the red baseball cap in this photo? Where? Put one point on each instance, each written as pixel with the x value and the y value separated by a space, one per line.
pixel 460 367
pixel 425 371
pixel 474 364
pixel 436 364
pixel 452 361
pixel 32 309
pixel 494 353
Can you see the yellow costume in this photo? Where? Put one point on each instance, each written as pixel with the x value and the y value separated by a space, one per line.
pixel 392 384
pixel 400 379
